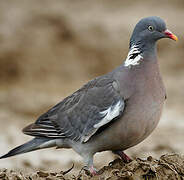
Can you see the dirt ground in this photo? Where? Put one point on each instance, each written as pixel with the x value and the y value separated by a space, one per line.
pixel 49 49
pixel 168 166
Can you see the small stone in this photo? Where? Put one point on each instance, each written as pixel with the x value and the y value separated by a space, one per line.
pixel 59 175
pixel 115 172
pixel 150 158
pixel 145 167
pixel 42 174
pixel 2 175
pixel 53 173
pixel 4 170
pixel 16 177
pixel 127 174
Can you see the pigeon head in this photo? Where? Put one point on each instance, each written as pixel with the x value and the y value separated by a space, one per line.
pixel 143 39
pixel 149 30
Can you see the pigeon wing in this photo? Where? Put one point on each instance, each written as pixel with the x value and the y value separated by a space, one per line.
pixel 79 116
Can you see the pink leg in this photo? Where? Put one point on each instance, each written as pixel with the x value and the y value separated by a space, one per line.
pixel 123 156
pixel 88 161
pixel 93 171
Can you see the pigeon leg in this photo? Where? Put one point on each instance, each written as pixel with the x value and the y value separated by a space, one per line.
pixel 88 160
pixel 90 170
pixel 123 156
pixel 93 171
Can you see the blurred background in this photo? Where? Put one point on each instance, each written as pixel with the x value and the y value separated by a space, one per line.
pixel 48 49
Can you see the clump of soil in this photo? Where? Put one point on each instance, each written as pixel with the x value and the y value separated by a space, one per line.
pixel 169 166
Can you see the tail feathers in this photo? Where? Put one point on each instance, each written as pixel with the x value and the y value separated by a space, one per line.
pixel 34 144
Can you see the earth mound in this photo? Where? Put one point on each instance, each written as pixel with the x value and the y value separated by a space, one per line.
pixel 169 166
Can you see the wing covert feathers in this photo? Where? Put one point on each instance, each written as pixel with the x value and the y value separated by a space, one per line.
pixel 80 115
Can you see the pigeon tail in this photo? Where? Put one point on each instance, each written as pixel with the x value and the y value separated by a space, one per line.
pixel 34 144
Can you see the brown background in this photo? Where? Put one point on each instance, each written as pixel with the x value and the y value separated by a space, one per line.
pixel 48 49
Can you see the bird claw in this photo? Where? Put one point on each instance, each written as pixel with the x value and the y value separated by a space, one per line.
pixel 93 171
pixel 123 156
pixel 90 170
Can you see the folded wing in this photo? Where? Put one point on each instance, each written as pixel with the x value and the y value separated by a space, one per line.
pixel 79 116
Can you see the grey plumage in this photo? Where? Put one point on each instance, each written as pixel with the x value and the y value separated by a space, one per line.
pixel 34 144
pixel 112 112
pixel 76 116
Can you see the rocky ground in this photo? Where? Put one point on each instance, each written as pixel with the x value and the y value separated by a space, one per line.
pixel 168 166
pixel 50 49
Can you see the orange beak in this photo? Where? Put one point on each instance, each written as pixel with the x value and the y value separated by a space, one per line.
pixel 170 35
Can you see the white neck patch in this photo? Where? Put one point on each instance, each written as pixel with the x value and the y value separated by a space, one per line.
pixel 131 60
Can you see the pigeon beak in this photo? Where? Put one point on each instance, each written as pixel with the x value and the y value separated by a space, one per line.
pixel 170 35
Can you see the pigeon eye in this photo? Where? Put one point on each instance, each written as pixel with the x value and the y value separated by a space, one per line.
pixel 150 28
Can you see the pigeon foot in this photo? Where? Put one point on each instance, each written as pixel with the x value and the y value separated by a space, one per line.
pixel 123 156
